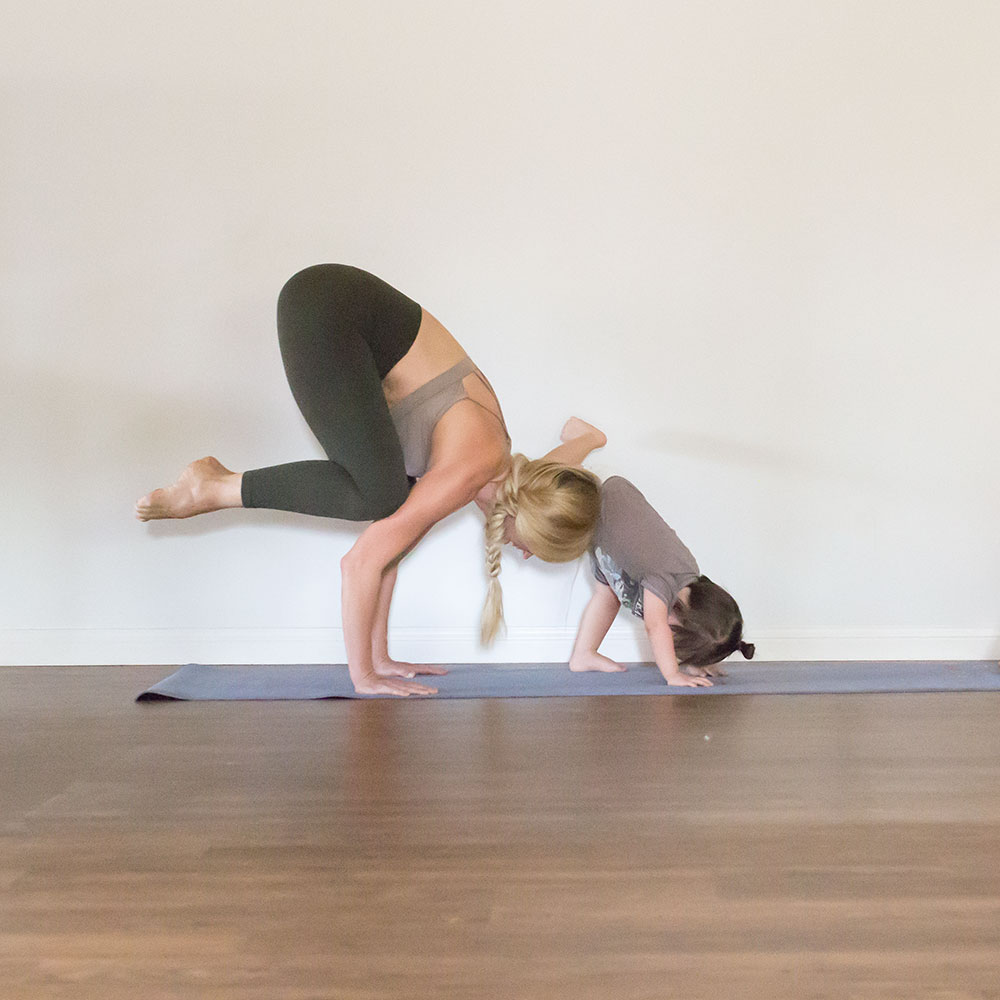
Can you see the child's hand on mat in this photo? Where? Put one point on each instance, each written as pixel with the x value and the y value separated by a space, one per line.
pixel 713 671
pixel 687 681
pixel 582 662
pixel 397 668
pixel 373 684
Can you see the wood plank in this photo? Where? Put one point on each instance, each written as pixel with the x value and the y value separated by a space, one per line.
pixel 815 846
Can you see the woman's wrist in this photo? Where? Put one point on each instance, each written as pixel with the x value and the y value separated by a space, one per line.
pixel 361 674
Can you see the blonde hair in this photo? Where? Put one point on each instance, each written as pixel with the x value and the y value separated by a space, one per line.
pixel 555 509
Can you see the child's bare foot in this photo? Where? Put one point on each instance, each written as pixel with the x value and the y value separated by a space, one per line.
pixel 582 662
pixel 204 486
pixel 575 428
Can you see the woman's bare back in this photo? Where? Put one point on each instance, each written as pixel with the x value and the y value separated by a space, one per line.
pixel 434 351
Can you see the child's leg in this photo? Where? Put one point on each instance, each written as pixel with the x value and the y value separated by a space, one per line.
pixel 597 618
pixel 340 330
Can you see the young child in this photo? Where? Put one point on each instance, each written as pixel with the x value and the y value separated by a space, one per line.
pixel 641 564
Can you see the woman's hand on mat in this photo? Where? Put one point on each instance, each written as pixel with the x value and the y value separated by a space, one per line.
pixel 686 681
pixel 398 668
pixel 373 684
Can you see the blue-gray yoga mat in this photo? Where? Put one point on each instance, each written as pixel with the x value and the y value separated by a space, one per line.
pixel 198 682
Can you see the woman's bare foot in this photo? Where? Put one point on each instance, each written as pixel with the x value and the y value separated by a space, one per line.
pixel 582 662
pixel 204 486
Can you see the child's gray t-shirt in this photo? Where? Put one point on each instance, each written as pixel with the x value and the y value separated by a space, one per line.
pixel 634 548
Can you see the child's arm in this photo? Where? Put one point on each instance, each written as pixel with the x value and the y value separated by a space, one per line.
pixel 656 617
pixel 579 439
pixel 597 618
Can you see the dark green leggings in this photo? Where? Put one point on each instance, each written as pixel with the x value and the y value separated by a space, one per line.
pixel 340 330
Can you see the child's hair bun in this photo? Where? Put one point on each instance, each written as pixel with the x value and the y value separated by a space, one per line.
pixel 747 649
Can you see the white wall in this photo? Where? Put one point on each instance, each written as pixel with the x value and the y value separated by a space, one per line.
pixel 756 242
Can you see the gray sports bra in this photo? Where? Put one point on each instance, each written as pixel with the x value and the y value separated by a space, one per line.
pixel 416 415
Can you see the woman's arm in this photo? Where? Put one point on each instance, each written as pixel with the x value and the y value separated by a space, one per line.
pixel 443 490
pixel 384 664
pixel 579 440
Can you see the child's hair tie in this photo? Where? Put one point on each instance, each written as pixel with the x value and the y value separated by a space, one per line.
pixel 747 649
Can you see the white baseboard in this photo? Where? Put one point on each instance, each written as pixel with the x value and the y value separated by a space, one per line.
pixel 31 647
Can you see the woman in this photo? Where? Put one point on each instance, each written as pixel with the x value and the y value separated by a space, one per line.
pixel 413 431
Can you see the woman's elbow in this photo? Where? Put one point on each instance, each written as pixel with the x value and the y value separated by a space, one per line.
pixel 348 564
pixel 377 548
pixel 357 559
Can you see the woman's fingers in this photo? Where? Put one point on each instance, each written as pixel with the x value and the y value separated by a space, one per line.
pixel 409 687
pixel 394 668
pixel 393 686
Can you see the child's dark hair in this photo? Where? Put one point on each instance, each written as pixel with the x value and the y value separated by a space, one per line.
pixel 710 626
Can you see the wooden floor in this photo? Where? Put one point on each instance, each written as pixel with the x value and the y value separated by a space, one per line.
pixel 841 846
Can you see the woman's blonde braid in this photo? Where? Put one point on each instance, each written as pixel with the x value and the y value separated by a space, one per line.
pixel 505 505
